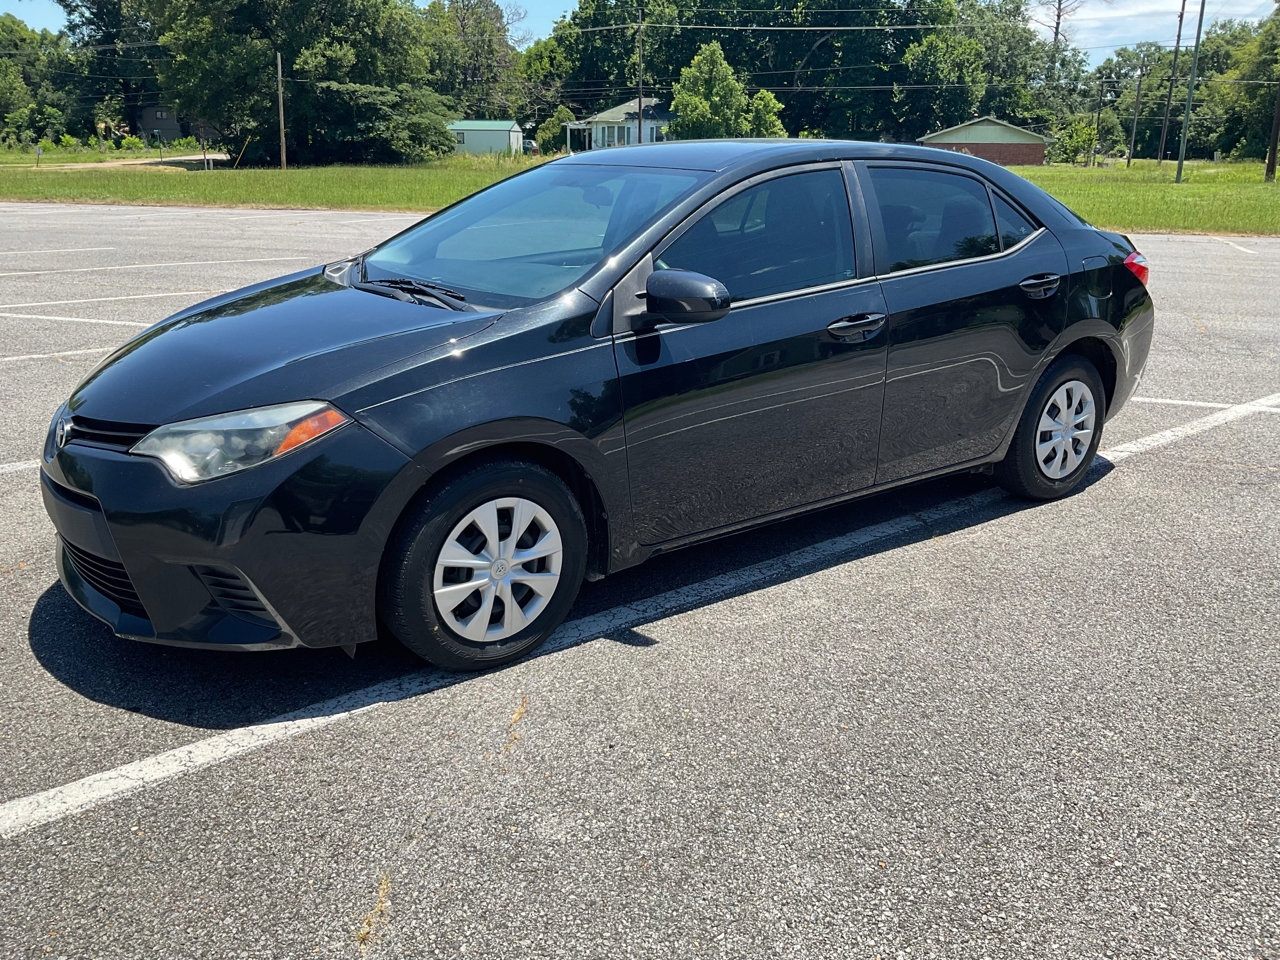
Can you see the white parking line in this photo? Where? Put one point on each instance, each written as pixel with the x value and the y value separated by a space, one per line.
pixel 18 467
pixel 149 266
pixel 132 296
pixel 44 316
pixel 26 813
pixel 50 356
pixel 1183 403
pixel 20 253
pixel 388 216
pixel 1165 437
pixel 1237 246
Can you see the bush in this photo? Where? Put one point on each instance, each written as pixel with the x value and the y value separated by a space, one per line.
pixel 185 145
pixel 69 143
pixel 132 143
pixel 551 134
pixel 47 145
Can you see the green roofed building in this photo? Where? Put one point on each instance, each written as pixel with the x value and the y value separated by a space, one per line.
pixel 993 140
pixel 487 136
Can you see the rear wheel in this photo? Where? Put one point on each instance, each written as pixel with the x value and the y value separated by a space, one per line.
pixel 488 568
pixel 1058 434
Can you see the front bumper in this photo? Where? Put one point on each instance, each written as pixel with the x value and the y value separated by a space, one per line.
pixel 280 555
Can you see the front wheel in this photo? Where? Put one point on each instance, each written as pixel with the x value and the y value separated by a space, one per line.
pixel 1058 434
pixel 488 568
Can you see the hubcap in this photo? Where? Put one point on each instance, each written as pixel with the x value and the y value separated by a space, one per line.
pixel 1066 430
pixel 498 569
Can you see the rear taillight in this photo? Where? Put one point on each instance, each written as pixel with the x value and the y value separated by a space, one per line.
pixel 1137 265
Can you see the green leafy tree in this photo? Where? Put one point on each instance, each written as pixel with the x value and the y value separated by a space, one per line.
pixel 945 86
pixel 14 93
pixel 551 133
pixel 357 75
pixel 473 59
pixel 115 56
pixel 1074 141
pixel 763 120
pixel 711 102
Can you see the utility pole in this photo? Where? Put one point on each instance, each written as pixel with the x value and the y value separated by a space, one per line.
pixel 284 165
pixel 1274 147
pixel 1137 110
pixel 1173 76
pixel 1097 122
pixel 1191 92
pixel 640 78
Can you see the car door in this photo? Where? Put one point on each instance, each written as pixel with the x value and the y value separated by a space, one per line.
pixel 975 291
pixel 776 404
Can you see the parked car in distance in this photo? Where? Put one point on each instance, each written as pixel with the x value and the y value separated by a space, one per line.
pixel 606 357
pixel 531 148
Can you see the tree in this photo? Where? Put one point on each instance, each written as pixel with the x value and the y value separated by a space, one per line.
pixel 472 57
pixel 710 102
pixel 946 84
pixel 356 75
pixel 14 93
pixel 551 133
pixel 764 120
pixel 116 54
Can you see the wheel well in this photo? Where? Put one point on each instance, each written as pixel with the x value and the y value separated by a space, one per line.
pixel 562 465
pixel 1100 355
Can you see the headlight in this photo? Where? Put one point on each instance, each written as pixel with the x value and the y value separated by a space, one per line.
pixel 209 447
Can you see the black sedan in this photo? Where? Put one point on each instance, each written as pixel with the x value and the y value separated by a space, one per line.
pixel 603 358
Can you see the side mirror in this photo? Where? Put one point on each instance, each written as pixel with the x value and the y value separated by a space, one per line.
pixel 682 296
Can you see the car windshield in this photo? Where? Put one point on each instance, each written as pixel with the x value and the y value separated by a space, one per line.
pixel 530 237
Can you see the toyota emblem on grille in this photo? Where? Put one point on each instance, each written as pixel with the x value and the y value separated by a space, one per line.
pixel 60 433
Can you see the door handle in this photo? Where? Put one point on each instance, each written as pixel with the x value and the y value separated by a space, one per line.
pixel 1041 287
pixel 864 325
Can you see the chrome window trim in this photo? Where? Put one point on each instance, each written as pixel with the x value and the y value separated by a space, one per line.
pixel 928 267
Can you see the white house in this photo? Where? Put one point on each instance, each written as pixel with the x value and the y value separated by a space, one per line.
pixel 487 136
pixel 617 126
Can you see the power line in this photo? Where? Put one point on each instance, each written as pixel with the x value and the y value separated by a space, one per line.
pixel 833 29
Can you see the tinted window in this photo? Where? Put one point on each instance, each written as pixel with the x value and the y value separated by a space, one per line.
pixel 1014 227
pixel 932 217
pixel 532 236
pixel 785 234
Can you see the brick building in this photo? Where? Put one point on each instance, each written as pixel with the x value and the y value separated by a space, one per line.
pixel 993 140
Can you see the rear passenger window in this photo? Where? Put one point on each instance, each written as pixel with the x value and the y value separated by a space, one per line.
pixel 785 234
pixel 1014 227
pixel 931 217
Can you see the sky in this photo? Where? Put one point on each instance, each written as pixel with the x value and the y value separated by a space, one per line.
pixel 1099 27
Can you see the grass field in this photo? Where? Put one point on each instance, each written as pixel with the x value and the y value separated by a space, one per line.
pixel 17 158
pixel 1215 198
pixel 419 188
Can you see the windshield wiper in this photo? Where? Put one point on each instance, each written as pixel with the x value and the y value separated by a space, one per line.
pixel 405 288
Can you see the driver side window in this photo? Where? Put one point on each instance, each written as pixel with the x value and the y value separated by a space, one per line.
pixel 789 233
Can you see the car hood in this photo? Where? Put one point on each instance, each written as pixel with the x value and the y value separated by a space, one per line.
pixel 300 337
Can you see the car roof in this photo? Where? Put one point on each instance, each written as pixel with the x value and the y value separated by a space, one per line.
pixel 714 156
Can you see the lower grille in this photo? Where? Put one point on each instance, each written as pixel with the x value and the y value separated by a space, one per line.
pixel 108 577
pixel 235 596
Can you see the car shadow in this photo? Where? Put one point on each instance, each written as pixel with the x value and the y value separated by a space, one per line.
pixel 222 690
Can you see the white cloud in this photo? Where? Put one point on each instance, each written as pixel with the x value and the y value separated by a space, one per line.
pixel 1100 27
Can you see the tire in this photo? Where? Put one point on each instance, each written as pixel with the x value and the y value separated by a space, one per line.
pixel 513 605
pixel 1043 463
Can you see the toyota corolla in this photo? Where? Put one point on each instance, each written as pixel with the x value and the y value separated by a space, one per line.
pixel 606 357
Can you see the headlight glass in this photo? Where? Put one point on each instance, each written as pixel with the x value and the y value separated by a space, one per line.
pixel 196 450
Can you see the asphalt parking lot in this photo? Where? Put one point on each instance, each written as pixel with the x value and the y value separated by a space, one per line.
pixel 936 723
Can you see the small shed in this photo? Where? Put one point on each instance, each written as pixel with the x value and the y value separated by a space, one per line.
pixel 617 126
pixel 993 140
pixel 487 136
pixel 159 120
